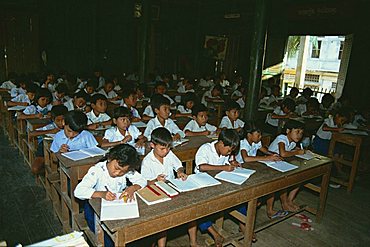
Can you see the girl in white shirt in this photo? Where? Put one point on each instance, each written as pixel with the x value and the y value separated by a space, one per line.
pixel 187 102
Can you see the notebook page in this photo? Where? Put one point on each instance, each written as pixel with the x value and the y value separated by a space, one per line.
pixel 118 209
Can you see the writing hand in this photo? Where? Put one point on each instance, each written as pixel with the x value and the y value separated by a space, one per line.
pixel 64 148
pixel 176 137
pixel 228 168
pixel 182 175
pixel 161 177
pixel 109 196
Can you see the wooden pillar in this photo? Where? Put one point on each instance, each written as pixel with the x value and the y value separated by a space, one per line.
pixel 257 60
pixel 144 30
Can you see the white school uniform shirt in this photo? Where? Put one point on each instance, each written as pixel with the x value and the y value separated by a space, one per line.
pixel 148 111
pixel 114 135
pixel 272 99
pixel 133 110
pixel 182 109
pixel 32 109
pixel 69 104
pixel 49 126
pixel 241 102
pixel 193 126
pixel 8 85
pixel 168 124
pixel 300 109
pixel 151 167
pixel 274 146
pixel 207 94
pixel 16 91
pixel 226 123
pixel 250 149
pixel 83 140
pixel 22 98
pixel 274 121
pixel 205 83
pixel 109 95
pixel 51 86
pixel 98 178
pixel 92 118
pixel 182 89
pixel 169 98
pixel 207 154
pixel 236 93
pixel 64 99
pixel 326 135
pixel 101 82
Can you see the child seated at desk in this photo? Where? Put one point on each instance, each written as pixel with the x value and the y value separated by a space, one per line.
pixel 78 102
pixel 108 91
pixel 286 146
pixel 273 100
pixel 124 132
pixel 198 126
pixel 59 96
pixel 107 178
pixel 129 101
pixel 311 109
pixel 161 88
pixel 57 123
pixel 24 99
pixel 161 107
pixel 187 102
pixel 215 156
pixel 159 165
pixel 21 83
pixel 186 86
pixel 73 136
pixel 284 111
pixel 97 116
pixel 212 94
pixel 148 111
pixel 231 120
pixel 326 105
pixel 89 88
pixel 251 144
pixel 40 107
pixel 333 123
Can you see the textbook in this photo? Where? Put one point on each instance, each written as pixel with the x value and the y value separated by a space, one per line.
pixel 71 239
pixel 238 176
pixel 306 156
pixel 151 194
pixel 193 182
pixel 166 189
pixel 139 124
pixel 180 142
pixel 119 209
pixel 281 166
pixel 84 153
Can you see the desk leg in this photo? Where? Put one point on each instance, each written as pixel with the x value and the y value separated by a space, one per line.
pixel 189 167
pixel 120 239
pixel 249 226
pixel 323 193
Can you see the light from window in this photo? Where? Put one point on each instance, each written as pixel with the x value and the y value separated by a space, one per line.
pixel 316 50
pixel 312 78
pixel 340 50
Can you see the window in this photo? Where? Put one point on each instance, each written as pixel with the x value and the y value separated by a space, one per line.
pixel 340 50
pixel 316 49
pixel 312 78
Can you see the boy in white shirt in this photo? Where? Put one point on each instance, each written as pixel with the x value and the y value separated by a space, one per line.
pixel 59 96
pixel 24 99
pixel 231 120
pixel 198 125
pixel 212 94
pixel 78 102
pixel 215 156
pixel 124 131
pixel 187 86
pixel 159 165
pixel 108 91
pixel 129 101
pixel 21 87
pixel 97 116
pixel 284 111
pixel 161 106
pixel 161 88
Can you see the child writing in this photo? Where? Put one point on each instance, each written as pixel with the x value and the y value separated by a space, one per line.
pixel 148 111
pixel 231 120
pixel 159 165
pixel 24 99
pixel 333 123
pixel 198 126
pixel 108 91
pixel 251 144
pixel 212 94
pixel 89 88
pixel 161 107
pixel 215 156
pixel 73 136
pixel 40 107
pixel 78 102
pixel 124 132
pixel 286 146
pixel 284 111
pixel 187 102
pixel 108 178
pixel 312 108
pixel 57 123
pixel 97 116
pixel 59 96
pixel 129 101
pixel 21 83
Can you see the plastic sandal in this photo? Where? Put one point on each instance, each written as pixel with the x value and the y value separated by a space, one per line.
pixel 303 217
pixel 304 226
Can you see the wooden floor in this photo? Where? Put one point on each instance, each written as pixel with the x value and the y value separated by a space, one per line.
pixel 26 215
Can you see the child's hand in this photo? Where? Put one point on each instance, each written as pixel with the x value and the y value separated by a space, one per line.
pixel 64 148
pixel 54 131
pixel 300 151
pixel 176 137
pixel 140 143
pixel 273 158
pixel 228 168
pixel 161 177
pixel 182 175
pixel 127 139
pixel 129 192
pixel 109 196
pixel 39 115
pixel 235 163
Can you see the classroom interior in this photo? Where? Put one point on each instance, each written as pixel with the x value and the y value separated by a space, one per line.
pixel 156 37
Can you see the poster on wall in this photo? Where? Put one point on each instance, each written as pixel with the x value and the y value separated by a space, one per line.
pixel 216 47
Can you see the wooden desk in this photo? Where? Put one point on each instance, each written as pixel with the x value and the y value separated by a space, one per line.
pixel 197 204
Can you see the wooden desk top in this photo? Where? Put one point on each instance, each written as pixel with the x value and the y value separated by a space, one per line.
pixel 34 123
pixel 196 204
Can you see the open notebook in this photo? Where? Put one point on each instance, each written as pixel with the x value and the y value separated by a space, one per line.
pixel 180 142
pixel 71 239
pixel 84 153
pixel 281 166
pixel 193 182
pixel 119 209
pixel 306 156
pixel 238 176
pixel 166 189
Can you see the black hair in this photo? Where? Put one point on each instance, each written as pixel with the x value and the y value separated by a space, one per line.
pixel 82 94
pixel 344 112
pixel 161 136
pixel 217 87
pixel 288 103
pixel 229 137
pixel 96 97
pixel 294 124
pixel 21 79
pixel 158 101
pixel 61 88
pixel 76 120
pixel 189 96
pixel 32 88
pixel 307 92
pixel 313 102
pixel 58 110
pixel 129 91
pixel 294 89
pixel 327 99
pixel 42 92
pixel 121 112
pixel 109 82
pixel 232 105
pixel 198 108
pixel 125 155
pixel 92 83
pixel 160 83
pixel 249 128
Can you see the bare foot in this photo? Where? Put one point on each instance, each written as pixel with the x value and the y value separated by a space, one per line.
pixel 293 205
pixel 288 207
pixel 271 213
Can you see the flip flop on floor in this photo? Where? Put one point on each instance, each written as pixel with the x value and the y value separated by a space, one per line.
pixel 304 226
pixel 303 217
pixel 279 214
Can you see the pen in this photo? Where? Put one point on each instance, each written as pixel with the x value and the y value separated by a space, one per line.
pixel 106 187
pixel 301 145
